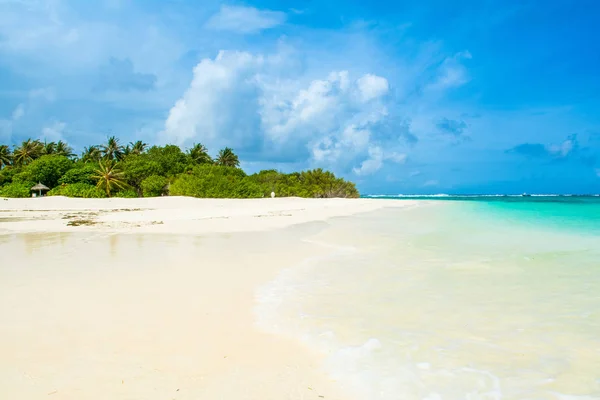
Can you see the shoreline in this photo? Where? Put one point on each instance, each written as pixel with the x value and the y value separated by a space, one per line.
pixel 161 311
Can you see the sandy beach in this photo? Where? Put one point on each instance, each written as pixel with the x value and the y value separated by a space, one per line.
pixel 153 298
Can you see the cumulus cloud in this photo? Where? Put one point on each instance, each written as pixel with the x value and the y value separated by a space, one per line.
pixel 54 131
pixel 241 19
pixel 375 160
pixel 248 102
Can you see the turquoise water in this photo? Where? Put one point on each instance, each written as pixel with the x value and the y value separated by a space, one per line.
pixel 580 213
pixel 466 299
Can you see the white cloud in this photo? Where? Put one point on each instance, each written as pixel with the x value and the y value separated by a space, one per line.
pixel 245 19
pixel 376 159
pixel 371 164
pixel 431 182
pixel 451 73
pixel 372 86
pixel 7 124
pixel 598 172
pixel 563 149
pixel 54 131
pixel 18 112
pixel 251 103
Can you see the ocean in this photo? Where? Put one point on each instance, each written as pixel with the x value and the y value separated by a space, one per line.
pixel 454 298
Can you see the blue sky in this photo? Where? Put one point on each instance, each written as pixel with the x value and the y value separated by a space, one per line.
pixel 416 97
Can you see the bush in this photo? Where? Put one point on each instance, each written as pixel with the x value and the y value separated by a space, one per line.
pixel 80 189
pixel 127 194
pixel 16 189
pixel 312 183
pixel 7 174
pixel 46 169
pixel 215 182
pixel 154 186
pixel 136 168
pixel 79 174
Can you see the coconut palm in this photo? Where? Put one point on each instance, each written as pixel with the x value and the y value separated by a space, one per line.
pixel 199 154
pixel 227 158
pixel 48 148
pixel 109 177
pixel 28 151
pixel 63 149
pixel 91 154
pixel 112 150
pixel 138 147
pixel 5 156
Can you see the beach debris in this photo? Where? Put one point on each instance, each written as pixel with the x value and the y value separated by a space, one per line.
pixel 79 222
pixel 52 392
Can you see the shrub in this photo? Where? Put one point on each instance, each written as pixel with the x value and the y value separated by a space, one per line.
pixel 127 194
pixel 154 186
pixel 16 189
pixel 215 182
pixel 7 174
pixel 46 169
pixel 84 190
pixel 79 174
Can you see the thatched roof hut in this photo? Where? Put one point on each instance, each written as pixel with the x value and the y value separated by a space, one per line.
pixel 40 188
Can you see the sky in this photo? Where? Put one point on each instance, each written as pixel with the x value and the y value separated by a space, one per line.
pixel 414 96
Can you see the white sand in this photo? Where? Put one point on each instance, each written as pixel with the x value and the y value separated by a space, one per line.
pixel 89 313
pixel 175 214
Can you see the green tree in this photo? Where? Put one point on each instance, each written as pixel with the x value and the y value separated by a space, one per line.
pixel 47 169
pixel 80 173
pixel 48 148
pixel 137 147
pixel 154 185
pixel 91 154
pixel 138 168
pixel 198 153
pixel 28 151
pixel 215 181
pixel 63 149
pixel 227 158
pixel 109 177
pixel 5 156
pixel 171 159
pixel 112 150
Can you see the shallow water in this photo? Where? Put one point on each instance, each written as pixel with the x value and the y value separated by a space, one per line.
pixel 451 300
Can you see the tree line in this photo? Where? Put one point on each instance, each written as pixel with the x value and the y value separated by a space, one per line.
pixel 140 170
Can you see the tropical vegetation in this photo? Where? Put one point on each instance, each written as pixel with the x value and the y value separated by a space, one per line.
pixel 112 169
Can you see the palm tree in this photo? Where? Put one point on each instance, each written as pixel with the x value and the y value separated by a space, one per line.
pixel 63 149
pixel 48 148
pixel 138 147
pixel 227 158
pixel 91 154
pixel 199 154
pixel 109 177
pixel 28 151
pixel 5 156
pixel 112 150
